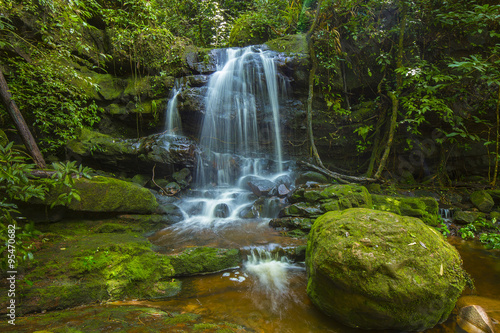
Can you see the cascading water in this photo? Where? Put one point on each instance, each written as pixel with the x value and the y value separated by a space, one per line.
pixel 241 150
pixel 271 272
pixel 242 117
pixel 172 119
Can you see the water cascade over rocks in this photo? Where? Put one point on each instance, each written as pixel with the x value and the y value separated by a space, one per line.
pixel 240 168
pixel 172 119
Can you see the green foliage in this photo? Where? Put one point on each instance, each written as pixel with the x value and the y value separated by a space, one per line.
pixel 57 108
pixel 467 231
pixel 443 228
pixel 491 240
pixel 17 185
pixel 363 132
pixel 265 20
pixel 64 178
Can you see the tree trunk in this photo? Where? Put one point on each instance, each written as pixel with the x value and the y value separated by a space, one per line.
pixel 394 96
pixel 312 73
pixel 20 124
pixel 392 130
pixel 494 182
pixel 376 143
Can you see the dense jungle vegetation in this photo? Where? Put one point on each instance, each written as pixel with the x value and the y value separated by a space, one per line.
pixel 430 68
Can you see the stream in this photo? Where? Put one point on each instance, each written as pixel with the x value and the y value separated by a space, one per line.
pixel 241 158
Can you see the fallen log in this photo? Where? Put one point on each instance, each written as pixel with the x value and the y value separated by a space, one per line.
pixel 344 179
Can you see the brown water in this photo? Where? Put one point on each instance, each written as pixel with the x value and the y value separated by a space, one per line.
pixel 249 304
pixel 239 297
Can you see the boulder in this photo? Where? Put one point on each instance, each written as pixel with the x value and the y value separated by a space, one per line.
pixel 201 260
pixel 482 200
pixel 311 176
pixel 378 270
pixel 106 194
pixel 261 187
pixel 425 208
pixel 466 217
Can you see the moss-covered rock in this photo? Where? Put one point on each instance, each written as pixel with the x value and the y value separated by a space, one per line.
pixel 311 202
pixel 378 270
pixel 425 208
pixel 104 152
pixel 291 44
pixel 95 267
pixel 106 194
pixel 202 260
pixel 482 200
pixel 291 223
pixel 466 217
pixel 118 318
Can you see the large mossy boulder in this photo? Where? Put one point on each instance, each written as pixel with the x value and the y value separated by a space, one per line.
pixel 378 270
pixel 106 194
pixel 425 208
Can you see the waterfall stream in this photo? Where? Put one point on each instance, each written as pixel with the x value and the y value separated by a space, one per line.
pixel 241 147
pixel 173 120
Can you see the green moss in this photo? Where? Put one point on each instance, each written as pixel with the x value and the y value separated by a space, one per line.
pixel 96 267
pixel 425 208
pixel 349 196
pixel 290 44
pixel 248 30
pixel 111 227
pixel 106 194
pixel 364 265
pixel 204 260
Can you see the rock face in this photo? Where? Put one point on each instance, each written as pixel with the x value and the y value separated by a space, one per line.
pixel 104 152
pixel 378 270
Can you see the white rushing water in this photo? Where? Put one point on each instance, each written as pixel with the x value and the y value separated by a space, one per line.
pixel 272 273
pixel 173 124
pixel 242 117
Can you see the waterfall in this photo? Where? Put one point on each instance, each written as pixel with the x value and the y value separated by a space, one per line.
pixel 240 143
pixel 242 117
pixel 272 276
pixel 172 119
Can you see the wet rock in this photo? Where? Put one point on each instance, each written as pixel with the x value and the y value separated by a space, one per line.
pixel 221 210
pixel 302 209
pixel 466 217
pixel 183 177
pixel 202 260
pixel 377 270
pixel 473 319
pixel 291 223
pixel 283 191
pixel 201 61
pixel 103 152
pixel 311 176
pixel 141 179
pixel 482 200
pixel 261 187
